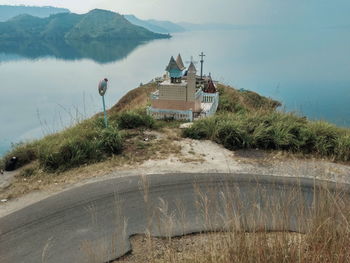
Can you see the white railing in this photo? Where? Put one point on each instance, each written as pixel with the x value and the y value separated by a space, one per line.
pixel 170 114
pixel 199 94
pixel 211 98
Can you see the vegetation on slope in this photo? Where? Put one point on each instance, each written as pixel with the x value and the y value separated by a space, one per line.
pixel 95 25
pixel 87 142
pixel 246 120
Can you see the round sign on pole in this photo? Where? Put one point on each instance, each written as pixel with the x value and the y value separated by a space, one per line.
pixel 102 87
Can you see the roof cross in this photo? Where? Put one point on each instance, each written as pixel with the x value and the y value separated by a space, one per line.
pixel 191 61
pixel 202 61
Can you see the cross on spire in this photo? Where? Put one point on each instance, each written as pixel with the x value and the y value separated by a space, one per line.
pixel 202 61
pixel 191 61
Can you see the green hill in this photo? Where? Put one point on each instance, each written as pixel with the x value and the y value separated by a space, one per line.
pixel 95 25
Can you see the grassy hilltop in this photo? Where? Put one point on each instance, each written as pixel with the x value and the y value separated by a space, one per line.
pixel 244 120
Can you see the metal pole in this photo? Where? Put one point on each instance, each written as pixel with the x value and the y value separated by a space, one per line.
pixel 104 111
pixel 202 61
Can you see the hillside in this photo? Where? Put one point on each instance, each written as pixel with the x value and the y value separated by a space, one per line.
pixel 95 25
pixel 9 11
pixel 256 136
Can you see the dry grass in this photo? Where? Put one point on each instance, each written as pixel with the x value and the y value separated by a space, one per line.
pixel 135 99
pixel 193 248
pixel 324 231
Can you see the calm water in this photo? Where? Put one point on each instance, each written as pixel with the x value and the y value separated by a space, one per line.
pixel 45 88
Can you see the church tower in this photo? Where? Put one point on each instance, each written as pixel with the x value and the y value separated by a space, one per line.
pixel 191 82
pixel 175 72
pixel 180 63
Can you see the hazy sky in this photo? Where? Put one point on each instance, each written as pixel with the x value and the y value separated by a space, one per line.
pixel 327 12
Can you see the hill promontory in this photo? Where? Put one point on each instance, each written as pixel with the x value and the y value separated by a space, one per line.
pixel 95 25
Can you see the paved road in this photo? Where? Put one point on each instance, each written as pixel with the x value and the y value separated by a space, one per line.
pixel 92 223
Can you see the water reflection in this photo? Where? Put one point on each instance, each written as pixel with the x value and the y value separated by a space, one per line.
pixel 98 51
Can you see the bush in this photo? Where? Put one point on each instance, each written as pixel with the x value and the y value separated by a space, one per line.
pixel 111 141
pixel 25 153
pixel 131 120
pixel 28 172
pixel 70 153
pixel 232 136
pixel 342 149
pixel 273 130
pixel 77 149
pixel 203 129
pixel 325 139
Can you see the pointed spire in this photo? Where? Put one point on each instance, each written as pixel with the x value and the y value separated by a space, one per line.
pixel 179 62
pixel 192 68
pixel 172 65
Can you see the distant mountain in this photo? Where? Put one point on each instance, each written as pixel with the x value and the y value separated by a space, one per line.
pixel 170 26
pixel 155 25
pixel 9 11
pixel 211 26
pixel 95 25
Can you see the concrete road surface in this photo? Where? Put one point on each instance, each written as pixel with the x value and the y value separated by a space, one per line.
pixel 93 223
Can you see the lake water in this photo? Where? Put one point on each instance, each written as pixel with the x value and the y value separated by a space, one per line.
pixel 49 86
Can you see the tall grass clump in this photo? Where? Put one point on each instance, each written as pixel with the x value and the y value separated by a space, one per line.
pixel 202 130
pixel 85 143
pixel 272 130
pixel 134 119
pixel 247 120
pixel 25 153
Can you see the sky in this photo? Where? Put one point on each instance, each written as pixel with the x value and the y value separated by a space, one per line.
pixel 251 12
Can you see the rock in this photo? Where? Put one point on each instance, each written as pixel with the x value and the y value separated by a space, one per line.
pixel 186 125
pixel 11 164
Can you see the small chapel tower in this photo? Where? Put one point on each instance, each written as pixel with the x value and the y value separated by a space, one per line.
pixel 191 82
pixel 174 70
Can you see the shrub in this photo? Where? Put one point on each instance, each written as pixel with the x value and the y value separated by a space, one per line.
pixel 232 136
pixel 70 153
pixel 111 141
pixel 203 129
pixel 342 149
pixel 87 146
pixel 273 130
pixel 28 172
pixel 325 137
pixel 25 153
pixel 131 120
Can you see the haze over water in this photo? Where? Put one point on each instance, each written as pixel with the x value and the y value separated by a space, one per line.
pixel 308 70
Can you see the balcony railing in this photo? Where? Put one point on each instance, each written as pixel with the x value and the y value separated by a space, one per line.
pixel 170 114
pixel 212 98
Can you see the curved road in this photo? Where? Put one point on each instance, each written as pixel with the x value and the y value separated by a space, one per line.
pixel 93 223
